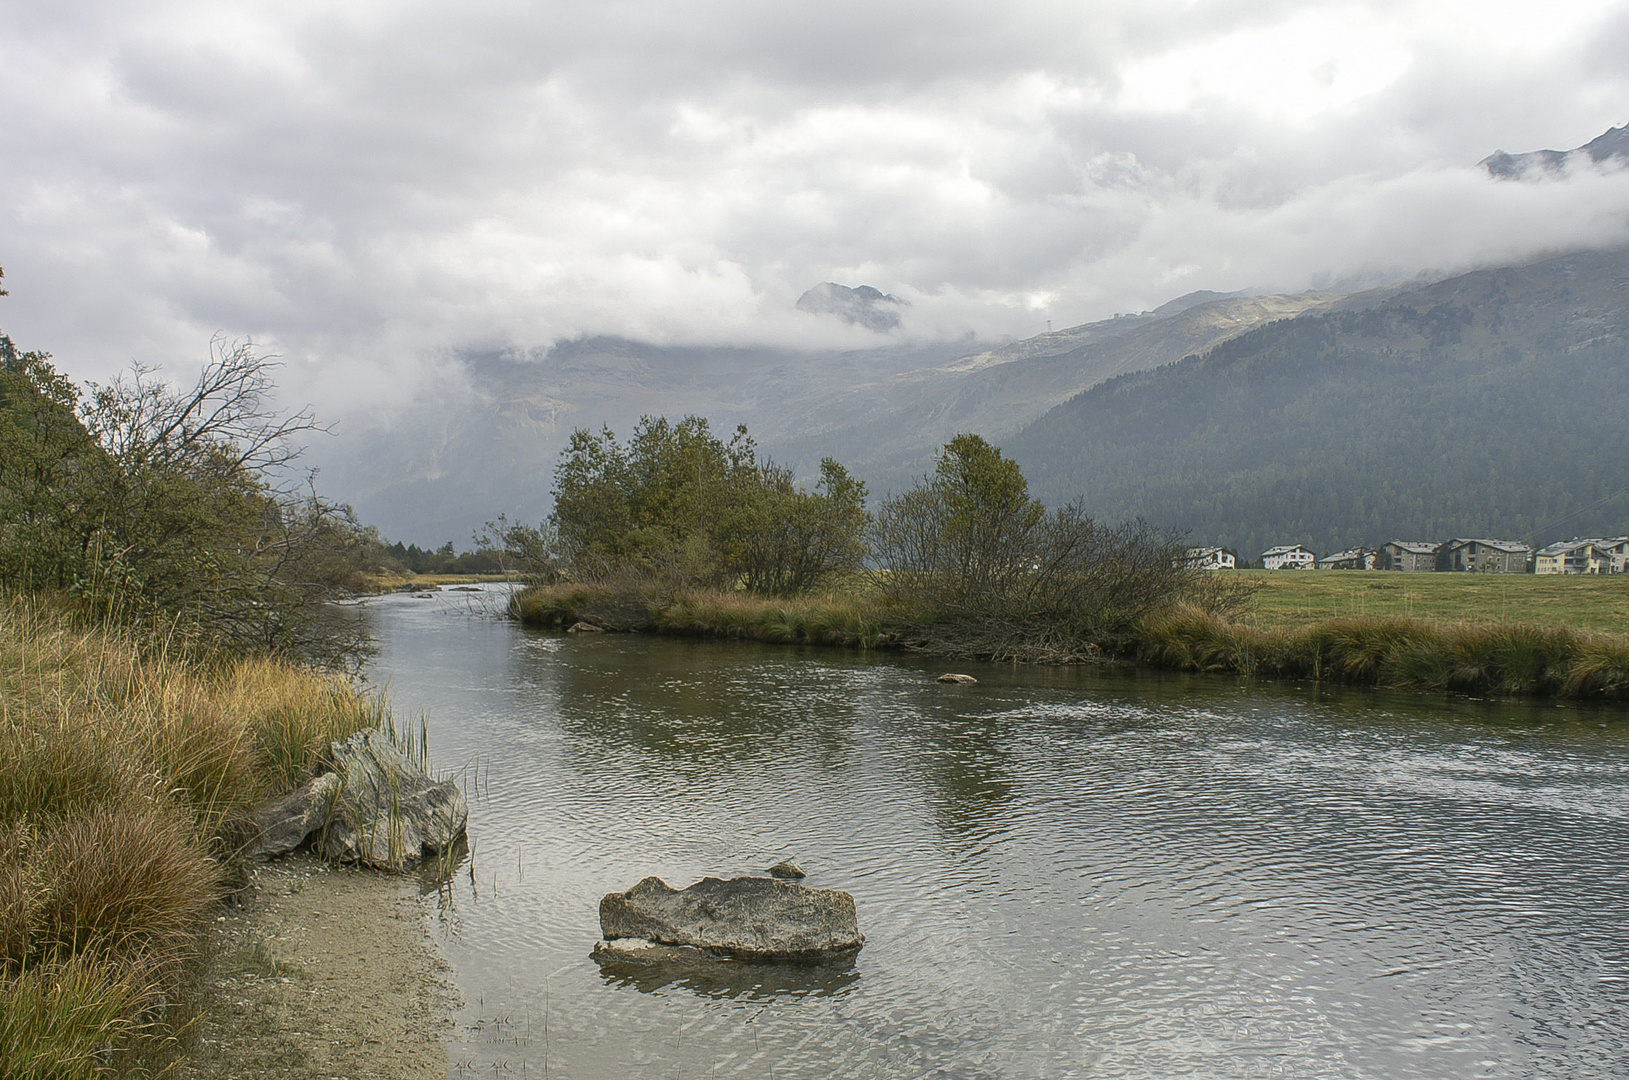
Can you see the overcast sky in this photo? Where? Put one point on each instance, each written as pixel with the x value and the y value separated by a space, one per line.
pixel 369 187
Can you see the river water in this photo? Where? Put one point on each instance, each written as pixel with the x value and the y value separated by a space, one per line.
pixel 1059 872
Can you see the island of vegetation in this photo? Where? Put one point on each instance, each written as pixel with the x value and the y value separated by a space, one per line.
pixel 678 531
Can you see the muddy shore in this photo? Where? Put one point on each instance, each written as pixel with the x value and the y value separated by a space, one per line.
pixel 322 972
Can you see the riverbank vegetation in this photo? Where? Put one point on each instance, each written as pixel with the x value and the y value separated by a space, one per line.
pixel 174 511
pixel 966 563
pixel 1515 658
pixel 126 774
pixel 680 532
pixel 167 658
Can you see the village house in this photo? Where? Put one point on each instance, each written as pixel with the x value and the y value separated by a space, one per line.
pixel 1210 558
pixel 1358 558
pixel 1578 556
pixel 1489 556
pixel 1288 557
pixel 1410 555
pixel 1616 550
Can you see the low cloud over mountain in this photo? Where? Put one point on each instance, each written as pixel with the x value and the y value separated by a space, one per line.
pixel 1611 146
pixel 865 306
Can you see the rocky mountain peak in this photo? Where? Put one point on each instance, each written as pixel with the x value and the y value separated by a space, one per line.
pixel 1613 144
pixel 865 306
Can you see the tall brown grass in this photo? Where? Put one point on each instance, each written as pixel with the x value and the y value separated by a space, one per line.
pixel 122 767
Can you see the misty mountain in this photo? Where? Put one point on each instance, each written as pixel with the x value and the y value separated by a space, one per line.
pixel 866 306
pixel 439 470
pixel 886 427
pixel 1613 144
pixel 1488 404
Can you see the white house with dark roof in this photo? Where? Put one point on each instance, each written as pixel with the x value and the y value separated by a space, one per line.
pixel 1616 551
pixel 1288 557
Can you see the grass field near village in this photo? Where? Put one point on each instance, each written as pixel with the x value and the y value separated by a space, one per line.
pixel 1287 599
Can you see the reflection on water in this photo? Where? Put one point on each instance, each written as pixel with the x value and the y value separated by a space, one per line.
pixel 1059 872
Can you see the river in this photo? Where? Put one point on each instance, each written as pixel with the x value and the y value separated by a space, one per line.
pixel 1060 872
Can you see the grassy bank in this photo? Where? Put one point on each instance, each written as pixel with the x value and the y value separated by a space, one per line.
pixel 836 619
pixel 1517 658
pixel 1286 599
pixel 1295 630
pixel 124 773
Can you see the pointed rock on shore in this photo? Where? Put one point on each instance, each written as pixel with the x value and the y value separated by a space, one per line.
pixel 389 813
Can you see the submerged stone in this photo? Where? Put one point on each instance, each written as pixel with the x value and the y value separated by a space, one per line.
pixel 750 918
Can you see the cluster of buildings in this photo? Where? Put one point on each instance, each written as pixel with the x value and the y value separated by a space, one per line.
pixel 1576 556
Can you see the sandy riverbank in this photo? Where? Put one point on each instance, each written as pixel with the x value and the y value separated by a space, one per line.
pixel 323 972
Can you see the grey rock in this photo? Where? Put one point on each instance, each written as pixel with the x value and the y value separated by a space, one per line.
pixel 786 868
pixel 389 813
pixel 584 628
pixel 749 918
pixel 283 824
pixel 952 677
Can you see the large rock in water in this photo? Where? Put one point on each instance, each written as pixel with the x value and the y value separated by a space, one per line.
pixel 748 918
pixel 389 813
pixel 283 824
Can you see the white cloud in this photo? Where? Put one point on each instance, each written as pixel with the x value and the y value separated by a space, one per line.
pixel 372 187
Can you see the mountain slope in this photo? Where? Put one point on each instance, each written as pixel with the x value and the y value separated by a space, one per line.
pixel 440 470
pixel 1492 403
pixel 1610 145
pixel 887 428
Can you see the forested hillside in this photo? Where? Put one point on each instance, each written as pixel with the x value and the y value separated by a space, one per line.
pixel 1490 404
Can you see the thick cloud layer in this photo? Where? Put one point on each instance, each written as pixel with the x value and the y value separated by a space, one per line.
pixel 370 188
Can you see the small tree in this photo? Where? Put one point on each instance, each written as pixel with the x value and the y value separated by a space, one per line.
pixel 795 541
pixel 679 505
pixel 978 568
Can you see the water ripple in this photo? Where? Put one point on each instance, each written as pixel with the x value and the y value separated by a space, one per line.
pixel 1060 873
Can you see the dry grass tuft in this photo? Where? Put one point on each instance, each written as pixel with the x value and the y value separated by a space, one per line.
pixel 121 764
pixel 62 1022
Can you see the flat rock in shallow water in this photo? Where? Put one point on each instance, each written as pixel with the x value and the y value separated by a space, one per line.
pixel 389 813
pixel 750 918
pixel 953 677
